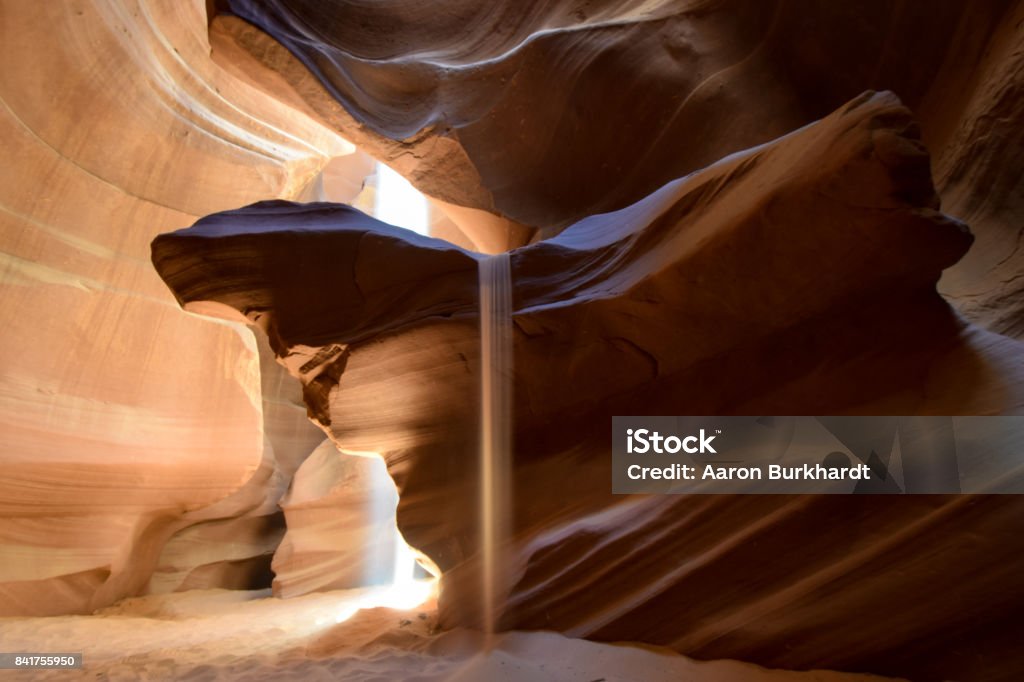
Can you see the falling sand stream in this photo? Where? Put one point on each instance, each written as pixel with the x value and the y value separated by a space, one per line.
pixel 495 429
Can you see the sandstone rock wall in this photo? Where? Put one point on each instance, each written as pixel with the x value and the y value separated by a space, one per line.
pixel 147 449
pixel 797 277
pixel 124 451
pixel 547 111
pixel 340 512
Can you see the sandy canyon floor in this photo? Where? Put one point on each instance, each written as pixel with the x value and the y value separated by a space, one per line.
pixel 226 635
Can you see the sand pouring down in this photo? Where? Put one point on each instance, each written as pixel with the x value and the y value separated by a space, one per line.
pixel 495 431
pixel 317 316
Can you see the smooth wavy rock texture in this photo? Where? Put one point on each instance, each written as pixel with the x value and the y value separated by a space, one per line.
pixel 547 111
pixel 828 307
pixel 143 449
pixel 341 525
pixel 147 451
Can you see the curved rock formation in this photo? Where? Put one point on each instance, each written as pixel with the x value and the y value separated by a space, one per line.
pixel 124 455
pixel 794 278
pixel 552 111
pixel 341 525
pixel 980 179
pixel 147 450
pixel 546 111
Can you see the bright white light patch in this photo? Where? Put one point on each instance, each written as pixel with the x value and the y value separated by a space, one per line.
pixel 398 202
pixel 395 562
pixel 402 597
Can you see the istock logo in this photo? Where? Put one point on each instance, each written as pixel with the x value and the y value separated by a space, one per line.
pixel 652 441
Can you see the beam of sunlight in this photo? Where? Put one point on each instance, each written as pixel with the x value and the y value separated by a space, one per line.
pixel 398 597
pixel 399 203
pixel 390 567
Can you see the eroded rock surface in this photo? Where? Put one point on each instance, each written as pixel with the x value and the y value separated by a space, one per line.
pixel 547 111
pixel 146 450
pixel 340 512
pixel 793 278
pixel 128 458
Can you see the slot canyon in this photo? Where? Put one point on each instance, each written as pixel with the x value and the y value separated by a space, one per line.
pixel 317 315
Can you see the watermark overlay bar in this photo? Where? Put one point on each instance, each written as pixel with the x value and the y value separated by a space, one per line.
pixel 31 660
pixel 818 455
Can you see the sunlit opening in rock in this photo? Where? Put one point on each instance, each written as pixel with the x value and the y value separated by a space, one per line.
pixel 212 277
pixel 357 179
pixel 399 203
pixel 392 578
pixel 403 596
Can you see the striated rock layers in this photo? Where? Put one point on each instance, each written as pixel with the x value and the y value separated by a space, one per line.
pixel 340 512
pixel 544 112
pixel 797 277
pixel 133 467
pixel 130 462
